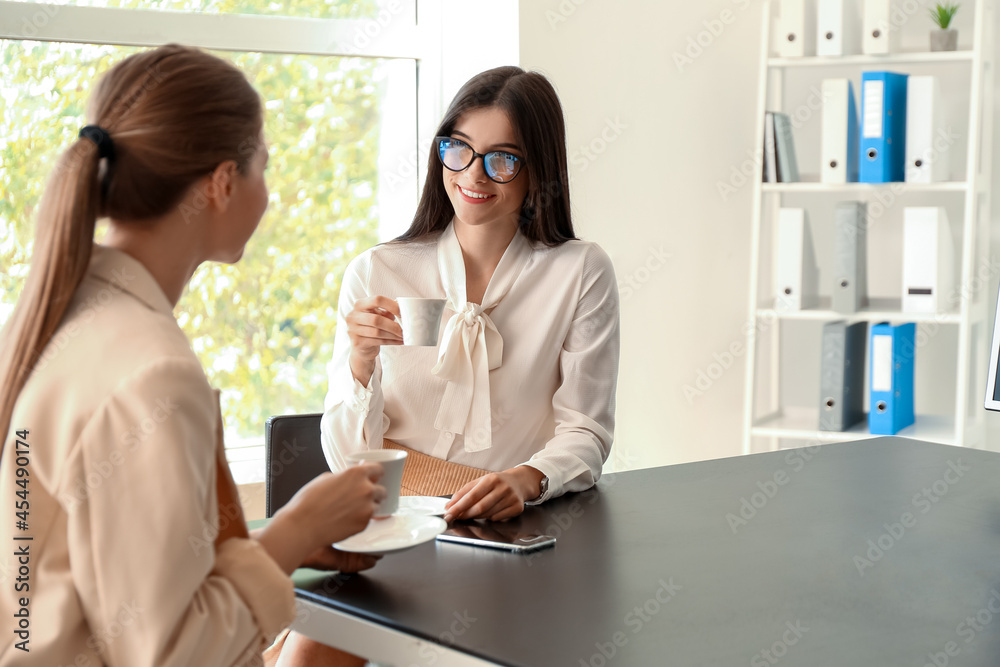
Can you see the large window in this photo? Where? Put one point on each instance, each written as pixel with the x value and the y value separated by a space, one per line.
pixel 338 125
pixel 353 92
pixel 317 9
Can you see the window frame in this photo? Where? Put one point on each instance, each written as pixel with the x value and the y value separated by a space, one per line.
pixel 419 40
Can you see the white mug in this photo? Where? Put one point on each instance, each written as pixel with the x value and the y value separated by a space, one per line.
pixel 392 462
pixel 420 319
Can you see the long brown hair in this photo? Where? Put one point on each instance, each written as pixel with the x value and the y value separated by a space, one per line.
pixel 174 114
pixel 532 106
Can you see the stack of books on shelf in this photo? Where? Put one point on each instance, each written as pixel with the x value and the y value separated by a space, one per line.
pixel 780 164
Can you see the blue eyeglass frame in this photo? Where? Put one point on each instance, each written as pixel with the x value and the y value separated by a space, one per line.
pixel 486 169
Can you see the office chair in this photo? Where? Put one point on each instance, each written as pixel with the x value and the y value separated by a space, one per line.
pixel 293 455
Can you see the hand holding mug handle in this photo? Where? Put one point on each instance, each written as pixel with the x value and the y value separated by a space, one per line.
pixel 370 325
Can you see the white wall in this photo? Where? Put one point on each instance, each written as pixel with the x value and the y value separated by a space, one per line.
pixel 668 134
pixel 661 135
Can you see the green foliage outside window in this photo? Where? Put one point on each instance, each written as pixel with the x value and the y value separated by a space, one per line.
pixel 317 9
pixel 263 328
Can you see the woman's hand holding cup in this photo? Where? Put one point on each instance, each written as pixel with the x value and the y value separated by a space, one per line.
pixel 330 508
pixel 370 325
pixel 338 505
pixel 391 461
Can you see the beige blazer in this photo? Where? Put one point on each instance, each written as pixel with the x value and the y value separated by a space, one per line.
pixel 117 563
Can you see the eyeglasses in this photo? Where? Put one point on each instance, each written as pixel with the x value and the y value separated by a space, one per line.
pixel 456 155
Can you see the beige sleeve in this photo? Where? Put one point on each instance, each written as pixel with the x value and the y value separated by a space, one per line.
pixel 154 590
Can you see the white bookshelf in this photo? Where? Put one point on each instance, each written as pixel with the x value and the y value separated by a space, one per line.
pixel 892 60
pixel 878 310
pixel 800 424
pixel 774 414
pixel 861 189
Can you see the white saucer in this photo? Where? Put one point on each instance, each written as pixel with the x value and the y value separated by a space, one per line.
pixel 396 533
pixel 422 505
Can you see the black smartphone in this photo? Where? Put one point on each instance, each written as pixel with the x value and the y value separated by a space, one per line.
pixel 482 535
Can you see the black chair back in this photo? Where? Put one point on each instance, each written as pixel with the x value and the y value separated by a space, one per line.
pixel 294 457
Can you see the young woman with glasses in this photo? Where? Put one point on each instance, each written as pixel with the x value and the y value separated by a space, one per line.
pixel 516 404
pixel 520 392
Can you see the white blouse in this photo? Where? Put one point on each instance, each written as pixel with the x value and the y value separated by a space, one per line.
pixel 526 377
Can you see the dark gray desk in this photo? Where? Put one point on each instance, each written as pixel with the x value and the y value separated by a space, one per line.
pixel 882 552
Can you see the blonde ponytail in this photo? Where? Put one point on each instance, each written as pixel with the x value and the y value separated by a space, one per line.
pixel 146 102
pixel 63 243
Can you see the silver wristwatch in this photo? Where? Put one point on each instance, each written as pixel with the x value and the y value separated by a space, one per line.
pixel 544 486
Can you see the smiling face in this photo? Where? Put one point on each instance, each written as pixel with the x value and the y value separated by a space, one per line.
pixel 477 200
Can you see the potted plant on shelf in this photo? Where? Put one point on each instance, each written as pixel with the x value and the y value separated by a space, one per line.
pixel 945 39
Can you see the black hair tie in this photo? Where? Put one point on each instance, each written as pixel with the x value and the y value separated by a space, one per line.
pixel 100 137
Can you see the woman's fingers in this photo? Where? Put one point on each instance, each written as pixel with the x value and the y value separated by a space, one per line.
pixel 328 558
pixel 493 505
pixel 380 323
pixel 465 498
pixel 379 334
pixel 489 495
pixel 378 303
pixel 508 511
pixel 372 334
pixel 351 562
pixel 371 327
pixel 461 493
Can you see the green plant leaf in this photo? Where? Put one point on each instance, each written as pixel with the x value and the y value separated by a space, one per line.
pixel 942 14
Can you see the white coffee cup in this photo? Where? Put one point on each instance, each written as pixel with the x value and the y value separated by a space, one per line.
pixel 392 462
pixel 420 319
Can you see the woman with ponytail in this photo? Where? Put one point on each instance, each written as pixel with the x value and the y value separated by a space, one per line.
pixel 124 539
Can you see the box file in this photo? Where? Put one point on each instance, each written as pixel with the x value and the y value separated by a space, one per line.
pixel 796 273
pixel 928 260
pixel 840 132
pixel 924 164
pixel 838 27
pixel 842 375
pixel 850 256
pixel 878 35
pixel 796 28
pixel 883 127
pixel 891 378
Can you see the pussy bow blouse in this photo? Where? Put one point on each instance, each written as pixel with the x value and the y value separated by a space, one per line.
pixel 526 377
pixel 123 432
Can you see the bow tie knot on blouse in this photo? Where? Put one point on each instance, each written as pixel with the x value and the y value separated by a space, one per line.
pixel 471 345
pixel 470 348
pixel 471 314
